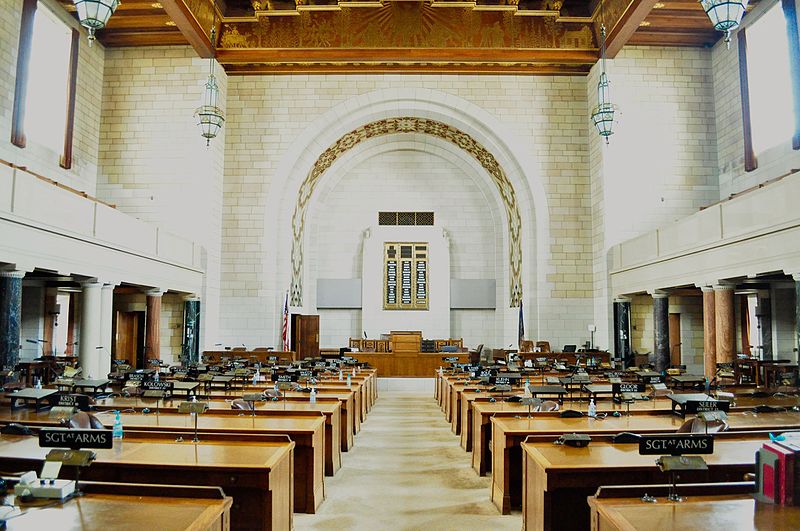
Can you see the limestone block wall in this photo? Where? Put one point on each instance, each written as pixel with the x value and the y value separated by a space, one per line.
pixel 153 162
pixel 547 116
pixel 38 158
pixel 661 162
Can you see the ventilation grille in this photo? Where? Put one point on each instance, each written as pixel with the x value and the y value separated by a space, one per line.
pixel 405 218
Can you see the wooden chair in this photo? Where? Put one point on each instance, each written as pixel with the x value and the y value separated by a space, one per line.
pixel 526 345
pixel 543 346
pixel 549 405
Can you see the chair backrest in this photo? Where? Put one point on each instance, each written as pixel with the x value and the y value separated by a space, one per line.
pixel 84 421
pixel 543 346
pixel 241 404
pixel 526 345
pixel 549 405
pixel 698 425
pixel 131 391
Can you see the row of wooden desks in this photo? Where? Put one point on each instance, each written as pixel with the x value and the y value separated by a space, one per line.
pixel 558 479
pixel 331 409
pixel 256 476
pixel 509 433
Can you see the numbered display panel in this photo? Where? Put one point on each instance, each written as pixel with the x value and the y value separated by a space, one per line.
pixel 405 276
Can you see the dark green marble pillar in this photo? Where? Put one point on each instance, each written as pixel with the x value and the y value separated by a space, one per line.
pixel 622 330
pixel 10 317
pixel 190 353
pixel 661 326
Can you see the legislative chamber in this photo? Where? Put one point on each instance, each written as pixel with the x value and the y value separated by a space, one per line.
pixel 400 264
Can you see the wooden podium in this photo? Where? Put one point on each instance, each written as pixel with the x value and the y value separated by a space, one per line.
pixel 305 336
pixel 403 342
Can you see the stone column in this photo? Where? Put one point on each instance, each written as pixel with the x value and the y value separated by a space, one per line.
pixel 10 316
pixel 661 326
pixel 622 329
pixel 106 323
pixel 90 343
pixel 764 316
pixel 796 277
pixel 725 323
pixel 152 337
pixel 709 333
pixel 190 350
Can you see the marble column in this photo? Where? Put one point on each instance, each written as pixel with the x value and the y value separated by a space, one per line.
pixel 725 323
pixel 152 337
pixel 90 343
pixel 764 316
pixel 190 351
pixel 622 329
pixel 661 326
pixel 709 333
pixel 796 277
pixel 106 323
pixel 10 316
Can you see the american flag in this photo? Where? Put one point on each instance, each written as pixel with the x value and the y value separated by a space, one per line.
pixel 285 334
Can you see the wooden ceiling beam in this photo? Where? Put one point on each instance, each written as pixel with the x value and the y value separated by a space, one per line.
pixel 166 37
pixel 189 26
pixel 422 68
pixel 627 25
pixel 231 56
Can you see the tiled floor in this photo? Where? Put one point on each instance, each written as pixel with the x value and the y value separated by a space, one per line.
pixel 407 471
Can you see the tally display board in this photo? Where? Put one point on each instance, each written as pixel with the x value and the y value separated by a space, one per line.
pixel 405 276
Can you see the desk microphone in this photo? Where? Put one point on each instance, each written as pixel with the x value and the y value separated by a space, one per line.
pixel 365 334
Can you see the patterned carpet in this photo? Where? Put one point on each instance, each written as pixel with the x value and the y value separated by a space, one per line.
pixel 407 471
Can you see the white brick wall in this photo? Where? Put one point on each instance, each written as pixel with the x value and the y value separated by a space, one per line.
pixel 42 160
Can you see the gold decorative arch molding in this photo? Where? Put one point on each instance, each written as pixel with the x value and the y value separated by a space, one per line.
pixel 408 124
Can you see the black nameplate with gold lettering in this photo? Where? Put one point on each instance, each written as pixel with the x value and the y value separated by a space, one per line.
pixel 676 444
pixel 699 406
pixel 284 377
pixel 73 400
pixel 159 386
pixel 617 388
pixel 75 439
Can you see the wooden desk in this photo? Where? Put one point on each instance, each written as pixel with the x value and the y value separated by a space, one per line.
pixel 509 433
pixel 407 364
pixel 261 356
pixel 125 508
pixel 738 511
pixel 307 433
pixel 558 479
pixel 331 409
pixel 29 393
pixel 257 477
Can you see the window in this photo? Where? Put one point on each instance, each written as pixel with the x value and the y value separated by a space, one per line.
pixel 44 101
pixel 768 55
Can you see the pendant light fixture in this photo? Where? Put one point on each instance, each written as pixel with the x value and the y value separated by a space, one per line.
pixel 725 15
pixel 94 14
pixel 603 113
pixel 210 115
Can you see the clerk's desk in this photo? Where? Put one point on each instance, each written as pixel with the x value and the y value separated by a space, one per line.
pixel 558 479
pixel 706 506
pixel 307 433
pixel 509 433
pixel 124 508
pixel 331 410
pixel 258 477
pixel 481 412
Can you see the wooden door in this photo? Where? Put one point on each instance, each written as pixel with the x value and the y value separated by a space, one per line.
pixel 129 339
pixel 675 338
pixel 305 336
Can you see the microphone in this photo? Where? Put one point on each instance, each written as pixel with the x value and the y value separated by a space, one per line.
pixel 365 334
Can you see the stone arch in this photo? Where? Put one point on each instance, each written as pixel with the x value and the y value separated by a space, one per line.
pixel 510 150
pixel 409 124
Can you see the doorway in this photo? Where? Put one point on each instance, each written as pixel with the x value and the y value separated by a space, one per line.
pixel 129 339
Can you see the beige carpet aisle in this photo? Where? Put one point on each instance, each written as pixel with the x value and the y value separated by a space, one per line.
pixel 407 471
